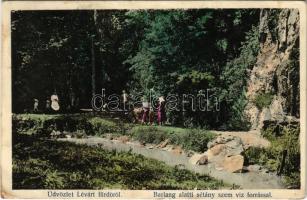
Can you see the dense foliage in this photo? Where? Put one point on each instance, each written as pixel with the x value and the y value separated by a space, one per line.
pixel 45 164
pixel 162 51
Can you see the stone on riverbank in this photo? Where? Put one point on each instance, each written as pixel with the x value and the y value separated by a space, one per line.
pixel 233 163
pixel 225 152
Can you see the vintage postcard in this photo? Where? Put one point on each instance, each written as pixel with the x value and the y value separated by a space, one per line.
pixel 153 100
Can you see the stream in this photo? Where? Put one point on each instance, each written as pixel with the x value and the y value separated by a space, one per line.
pixel 248 180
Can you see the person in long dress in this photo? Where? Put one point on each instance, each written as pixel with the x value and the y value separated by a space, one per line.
pixel 161 111
pixel 55 102
pixel 146 108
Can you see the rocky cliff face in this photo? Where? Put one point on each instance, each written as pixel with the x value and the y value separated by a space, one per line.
pixel 275 77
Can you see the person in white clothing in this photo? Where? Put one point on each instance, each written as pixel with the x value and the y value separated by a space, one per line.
pixel 55 102
pixel 35 108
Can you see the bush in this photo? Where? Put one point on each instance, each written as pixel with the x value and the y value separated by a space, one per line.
pixel 29 123
pixel 263 100
pixel 69 124
pixel 43 125
pixel 102 126
pixel 193 139
pixel 190 139
pixel 149 134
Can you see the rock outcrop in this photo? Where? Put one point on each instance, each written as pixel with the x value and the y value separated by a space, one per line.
pixel 276 71
pixel 224 153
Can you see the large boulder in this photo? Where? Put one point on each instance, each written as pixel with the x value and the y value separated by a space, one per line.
pixel 234 147
pixel 216 153
pixel 226 145
pixel 233 163
pixel 224 151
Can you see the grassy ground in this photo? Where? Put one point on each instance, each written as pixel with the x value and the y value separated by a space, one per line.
pixel 44 164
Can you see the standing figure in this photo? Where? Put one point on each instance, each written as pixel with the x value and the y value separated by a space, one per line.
pixel 125 100
pixel 72 100
pixel 47 106
pixel 161 111
pixel 55 102
pixel 145 111
pixel 137 115
pixel 35 107
pixel 151 115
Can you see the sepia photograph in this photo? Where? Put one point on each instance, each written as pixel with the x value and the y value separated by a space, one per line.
pixel 196 100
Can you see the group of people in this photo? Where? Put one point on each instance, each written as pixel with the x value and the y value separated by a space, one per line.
pixel 146 114
pixel 149 114
pixel 51 105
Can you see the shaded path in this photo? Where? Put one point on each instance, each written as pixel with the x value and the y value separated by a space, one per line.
pixel 250 180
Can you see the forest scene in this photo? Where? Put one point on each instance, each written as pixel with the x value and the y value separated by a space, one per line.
pixel 156 99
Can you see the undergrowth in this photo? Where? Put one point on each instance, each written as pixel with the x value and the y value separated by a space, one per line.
pixel 283 156
pixel 190 139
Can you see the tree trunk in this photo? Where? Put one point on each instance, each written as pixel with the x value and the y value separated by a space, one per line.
pixel 93 69
pixel 282 165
